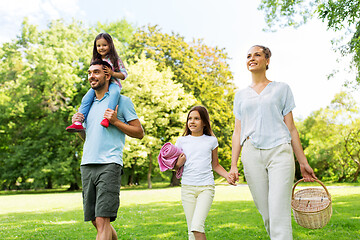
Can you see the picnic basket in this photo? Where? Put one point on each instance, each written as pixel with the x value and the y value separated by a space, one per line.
pixel 311 206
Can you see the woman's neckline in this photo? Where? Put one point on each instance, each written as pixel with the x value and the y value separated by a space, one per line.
pixel 261 90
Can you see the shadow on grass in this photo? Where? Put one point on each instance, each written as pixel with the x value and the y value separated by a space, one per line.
pixel 226 220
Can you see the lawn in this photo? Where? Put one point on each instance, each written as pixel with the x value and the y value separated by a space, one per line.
pixel 158 214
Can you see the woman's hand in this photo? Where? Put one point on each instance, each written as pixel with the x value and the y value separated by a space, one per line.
pixel 307 172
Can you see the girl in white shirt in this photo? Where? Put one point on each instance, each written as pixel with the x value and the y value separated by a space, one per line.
pixel 200 148
pixel 266 136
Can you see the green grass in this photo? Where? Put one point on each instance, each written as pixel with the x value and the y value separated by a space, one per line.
pixel 158 214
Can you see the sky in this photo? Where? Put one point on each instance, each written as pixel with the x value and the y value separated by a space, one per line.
pixel 303 57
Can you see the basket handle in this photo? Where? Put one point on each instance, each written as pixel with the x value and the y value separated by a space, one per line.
pixel 316 180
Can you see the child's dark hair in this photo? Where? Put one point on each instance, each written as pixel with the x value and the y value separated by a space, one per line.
pixel 204 115
pixel 112 51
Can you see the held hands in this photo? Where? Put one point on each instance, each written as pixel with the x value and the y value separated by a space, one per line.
pixel 230 179
pixel 234 174
pixel 307 172
pixel 111 115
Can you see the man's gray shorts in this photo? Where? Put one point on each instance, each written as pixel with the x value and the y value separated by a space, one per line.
pixel 101 190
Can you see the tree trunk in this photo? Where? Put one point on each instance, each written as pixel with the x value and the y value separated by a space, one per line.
pixel 297 171
pixel 49 183
pixel 356 174
pixel 74 184
pixel 73 187
pixel 131 175
pixel 149 172
pixel 174 181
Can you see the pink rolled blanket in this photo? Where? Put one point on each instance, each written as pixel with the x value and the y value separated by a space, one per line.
pixel 167 158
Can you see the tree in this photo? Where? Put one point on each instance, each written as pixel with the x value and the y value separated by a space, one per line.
pixel 38 89
pixel 161 105
pixel 43 78
pixel 339 15
pixel 325 131
pixel 202 70
pixel 352 147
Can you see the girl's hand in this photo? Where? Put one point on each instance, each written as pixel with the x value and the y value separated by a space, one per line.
pixel 307 172
pixel 181 160
pixel 108 70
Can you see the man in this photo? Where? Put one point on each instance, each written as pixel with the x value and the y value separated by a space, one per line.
pixel 101 164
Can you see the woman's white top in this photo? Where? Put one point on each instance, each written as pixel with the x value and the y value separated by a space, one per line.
pixel 262 115
pixel 198 165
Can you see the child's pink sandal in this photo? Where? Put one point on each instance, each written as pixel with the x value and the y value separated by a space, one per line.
pixel 75 127
pixel 105 122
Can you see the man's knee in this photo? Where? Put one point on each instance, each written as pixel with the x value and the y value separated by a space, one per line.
pixel 101 222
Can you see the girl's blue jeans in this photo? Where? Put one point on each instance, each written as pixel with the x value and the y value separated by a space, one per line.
pixel 88 99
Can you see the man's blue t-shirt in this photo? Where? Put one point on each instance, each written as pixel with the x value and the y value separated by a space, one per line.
pixel 105 145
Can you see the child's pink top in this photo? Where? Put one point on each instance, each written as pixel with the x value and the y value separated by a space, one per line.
pixel 121 67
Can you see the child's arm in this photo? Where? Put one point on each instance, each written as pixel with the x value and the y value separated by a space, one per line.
pixel 118 75
pixel 180 161
pixel 236 149
pixel 219 169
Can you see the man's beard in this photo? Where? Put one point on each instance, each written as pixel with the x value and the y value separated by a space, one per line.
pixel 100 85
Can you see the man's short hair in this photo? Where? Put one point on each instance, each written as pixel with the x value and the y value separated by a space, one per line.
pixel 100 62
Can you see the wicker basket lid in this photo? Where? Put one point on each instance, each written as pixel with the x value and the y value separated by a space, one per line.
pixel 310 199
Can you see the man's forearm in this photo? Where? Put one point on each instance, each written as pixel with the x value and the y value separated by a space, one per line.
pixel 132 129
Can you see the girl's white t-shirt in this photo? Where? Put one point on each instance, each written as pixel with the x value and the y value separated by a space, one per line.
pixel 198 165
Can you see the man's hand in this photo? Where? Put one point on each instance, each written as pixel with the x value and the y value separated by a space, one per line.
pixel 111 115
pixel 78 117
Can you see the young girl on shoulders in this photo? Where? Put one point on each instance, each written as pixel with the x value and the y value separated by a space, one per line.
pixel 199 157
pixel 104 49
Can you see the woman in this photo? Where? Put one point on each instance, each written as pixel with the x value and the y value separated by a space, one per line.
pixel 266 134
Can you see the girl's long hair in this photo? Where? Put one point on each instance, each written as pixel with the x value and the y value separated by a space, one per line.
pixel 112 52
pixel 204 115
